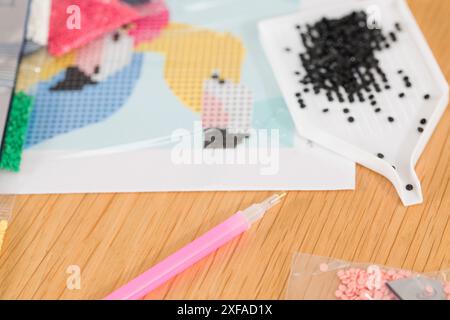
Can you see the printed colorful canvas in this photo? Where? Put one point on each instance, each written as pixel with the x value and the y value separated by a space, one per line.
pixel 202 71
pixel 181 64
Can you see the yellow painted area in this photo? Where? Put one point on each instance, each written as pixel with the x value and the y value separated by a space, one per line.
pixel 40 66
pixel 3 227
pixel 192 56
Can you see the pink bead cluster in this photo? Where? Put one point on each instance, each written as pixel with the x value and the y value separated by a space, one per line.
pixel 370 283
pixel 447 290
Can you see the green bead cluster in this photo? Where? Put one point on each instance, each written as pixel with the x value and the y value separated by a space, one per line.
pixel 16 131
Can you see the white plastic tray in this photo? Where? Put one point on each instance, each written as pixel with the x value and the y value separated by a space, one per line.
pixel 389 148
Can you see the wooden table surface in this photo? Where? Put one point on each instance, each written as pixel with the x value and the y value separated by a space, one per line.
pixel 115 237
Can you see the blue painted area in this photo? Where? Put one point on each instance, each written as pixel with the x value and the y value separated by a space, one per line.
pixel 151 111
pixel 58 112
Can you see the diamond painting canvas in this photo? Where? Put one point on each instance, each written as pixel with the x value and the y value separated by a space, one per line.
pixel 181 99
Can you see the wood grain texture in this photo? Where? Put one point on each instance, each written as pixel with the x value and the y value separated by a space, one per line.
pixel 115 237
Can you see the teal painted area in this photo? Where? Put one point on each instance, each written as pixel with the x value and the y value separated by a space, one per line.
pixel 273 114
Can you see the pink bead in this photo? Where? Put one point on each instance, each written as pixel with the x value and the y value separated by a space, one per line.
pixel 429 290
pixel 408 274
pixel 385 289
pixel 338 294
pixel 323 267
pixel 397 277
pixel 378 295
pixel 362 281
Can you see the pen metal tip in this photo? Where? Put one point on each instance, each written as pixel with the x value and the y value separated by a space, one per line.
pixel 277 198
pixel 282 195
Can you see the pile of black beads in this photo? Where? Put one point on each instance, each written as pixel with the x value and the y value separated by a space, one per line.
pixel 340 58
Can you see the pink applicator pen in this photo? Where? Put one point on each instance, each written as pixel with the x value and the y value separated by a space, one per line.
pixel 194 252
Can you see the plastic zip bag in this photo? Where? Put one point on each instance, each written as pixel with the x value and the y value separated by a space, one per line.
pixel 320 278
